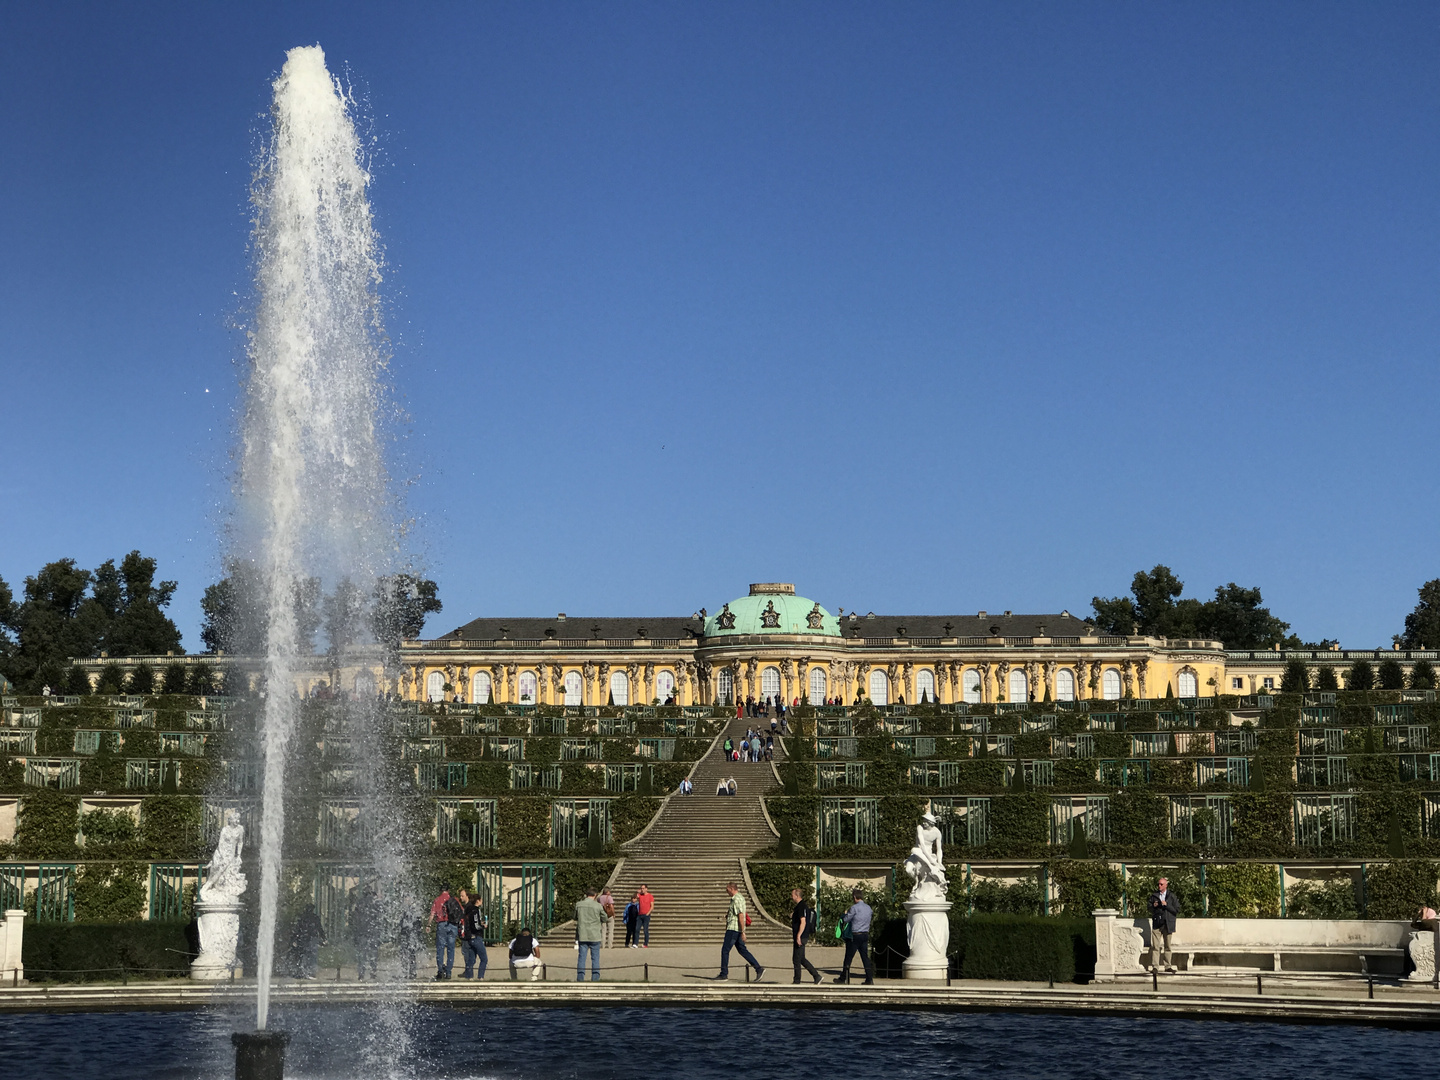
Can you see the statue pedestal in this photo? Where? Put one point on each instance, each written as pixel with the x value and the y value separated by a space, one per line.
pixel 928 930
pixel 219 937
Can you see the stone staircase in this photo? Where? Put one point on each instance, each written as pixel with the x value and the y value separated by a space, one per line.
pixel 693 848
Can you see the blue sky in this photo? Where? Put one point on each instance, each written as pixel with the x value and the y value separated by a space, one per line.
pixel 926 308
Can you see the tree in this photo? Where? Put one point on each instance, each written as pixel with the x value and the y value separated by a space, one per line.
pixel 1296 679
pixel 135 604
pixel 1361 676
pixel 76 681
pixel 175 679
pixel 345 616
pixel 1114 616
pixel 57 620
pixel 1390 675
pixel 402 602
pixel 142 680
pixel 234 611
pixel 1326 680
pixel 1422 626
pixel 1237 616
pixel 1422 675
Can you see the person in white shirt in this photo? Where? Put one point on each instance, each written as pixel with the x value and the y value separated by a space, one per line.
pixel 525 952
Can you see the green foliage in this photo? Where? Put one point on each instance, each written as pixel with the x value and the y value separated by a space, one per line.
pixel 1397 889
pixel 1235 615
pixel 1325 679
pixel 175 679
pixel 573 877
pixel 1390 675
pixel 1085 886
pixel 109 892
pixel 100 952
pixel 1184 882
pixel 990 897
pixel 773 882
pixel 1422 675
pixel 47 824
pixel 142 680
pixel 170 827
pixel 1013 947
pixel 1361 676
pixel 112 679
pixel 1296 677
pixel 1422 626
pixel 109 834
pixel 76 681
pixel 1333 898
pixel 1243 891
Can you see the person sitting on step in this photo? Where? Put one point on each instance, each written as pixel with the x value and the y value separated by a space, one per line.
pixel 525 952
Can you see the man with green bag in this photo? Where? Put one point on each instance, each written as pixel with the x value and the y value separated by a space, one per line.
pixel 854 928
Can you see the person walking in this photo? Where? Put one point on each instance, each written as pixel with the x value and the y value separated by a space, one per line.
pixel 409 942
pixel 631 919
pixel 305 941
pixel 736 919
pixel 472 936
pixel 446 915
pixel 802 925
pixel 645 901
pixel 1163 906
pixel 365 931
pixel 607 904
pixel 857 919
pixel 589 931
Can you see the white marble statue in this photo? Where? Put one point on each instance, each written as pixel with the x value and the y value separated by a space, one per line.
pixel 926 862
pixel 223 879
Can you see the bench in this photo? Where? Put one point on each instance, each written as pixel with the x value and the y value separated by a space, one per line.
pixel 1297 946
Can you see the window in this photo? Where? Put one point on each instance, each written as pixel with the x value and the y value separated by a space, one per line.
pixel 573 688
pixel 1268 683
pixel 435 686
pixel 727 686
pixel 840 774
pixel 580 750
pixel 619 688
pixel 1202 819
pixel 340 826
pixel 664 685
pixel 656 749
pixel 439 775
pixel 935 774
pixel 825 749
pixel 480 688
pixel 1330 770
pixel 1019 686
pixel 466 822
pixel 849 821
pixel 1186 685
pixel 1110 684
pixel 1430 816
pixel 1039 773
pixel 770 684
pixel 527 688
pixel 1223 770
pixel 573 820
pixel 970 680
pixel 962 821
pixel 879 688
pixel 925 685
pixel 1064 685
pixel 1322 820
pixel 1087 813
pixel 817 686
pixel 1237 683
pixel 622 778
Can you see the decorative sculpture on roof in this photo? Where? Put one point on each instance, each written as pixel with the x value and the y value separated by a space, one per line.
pixel 770 618
pixel 815 620
pixel 726 619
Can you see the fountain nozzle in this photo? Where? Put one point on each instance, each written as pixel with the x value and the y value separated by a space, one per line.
pixel 260 1055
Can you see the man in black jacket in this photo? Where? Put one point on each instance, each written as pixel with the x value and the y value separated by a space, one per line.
pixel 802 925
pixel 1164 906
pixel 472 935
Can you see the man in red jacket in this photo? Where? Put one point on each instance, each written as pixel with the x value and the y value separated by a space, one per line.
pixel 646 900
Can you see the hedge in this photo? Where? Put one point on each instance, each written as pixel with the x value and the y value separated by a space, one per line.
pixel 1024 948
pixel 99 952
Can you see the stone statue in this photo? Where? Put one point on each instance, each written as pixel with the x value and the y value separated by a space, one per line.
pixel 217 907
pixel 927 922
pixel 223 879
pixel 926 862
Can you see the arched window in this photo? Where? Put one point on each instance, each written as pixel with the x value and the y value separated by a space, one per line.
pixel 924 685
pixel 879 688
pixel 1110 685
pixel 364 685
pixel 1019 687
pixel 480 688
pixel 817 686
pixel 970 680
pixel 770 684
pixel 435 686
pixel 664 685
pixel 573 688
pixel 619 688
pixel 726 685
pixel 527 687
pixel 1187 685
pixel 1064 685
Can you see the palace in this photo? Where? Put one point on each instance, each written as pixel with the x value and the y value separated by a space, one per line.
pixel 775 644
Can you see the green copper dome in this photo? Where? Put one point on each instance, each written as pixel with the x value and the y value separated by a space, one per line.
pixel 772 609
